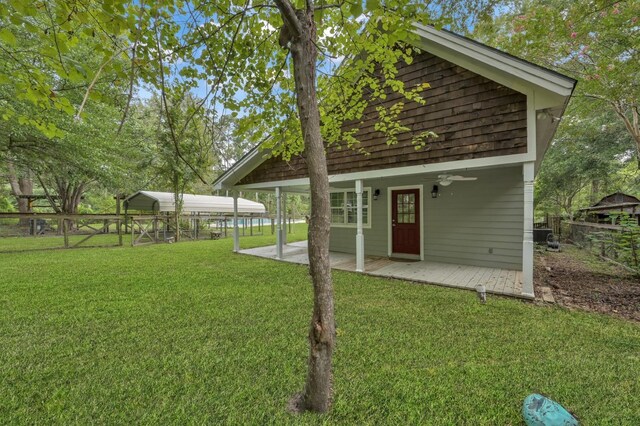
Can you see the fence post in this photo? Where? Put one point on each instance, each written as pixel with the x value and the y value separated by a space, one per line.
pixel 64 233
pixel 155 228
pixel 119 226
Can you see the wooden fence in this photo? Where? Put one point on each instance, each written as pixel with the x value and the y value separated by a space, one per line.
pixel 83 227
pixel 554 223
pixel 612 242
pixel 82 230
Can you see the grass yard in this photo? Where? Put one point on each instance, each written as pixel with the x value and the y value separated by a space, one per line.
pixel 192 333
pixel 47 242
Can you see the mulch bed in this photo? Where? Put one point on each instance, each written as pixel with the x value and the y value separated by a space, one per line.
pixel 579 280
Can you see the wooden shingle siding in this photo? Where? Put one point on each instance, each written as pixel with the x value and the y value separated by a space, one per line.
pixel 474 118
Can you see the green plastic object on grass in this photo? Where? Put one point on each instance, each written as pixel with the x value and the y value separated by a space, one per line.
pixel 538 410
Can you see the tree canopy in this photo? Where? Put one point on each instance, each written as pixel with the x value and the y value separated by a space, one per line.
pixel 598 43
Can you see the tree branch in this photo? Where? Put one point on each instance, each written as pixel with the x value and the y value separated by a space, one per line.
pixel 174 138
pixel 289 17
pixel 329 6
pixel 93 82
pixel 49 197
pixel 133 73
pixel 55 37
pixel 222 71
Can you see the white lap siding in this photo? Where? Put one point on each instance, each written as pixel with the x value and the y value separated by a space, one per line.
pixel 472 223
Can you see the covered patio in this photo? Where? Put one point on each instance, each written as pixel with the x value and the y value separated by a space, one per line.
pixel 497 281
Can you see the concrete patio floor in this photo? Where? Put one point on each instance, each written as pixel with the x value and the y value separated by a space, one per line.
pixel 497 281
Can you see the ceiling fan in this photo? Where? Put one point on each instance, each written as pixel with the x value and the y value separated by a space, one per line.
pixel 445 180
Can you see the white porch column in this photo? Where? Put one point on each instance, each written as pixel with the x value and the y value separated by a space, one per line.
pixel 236 231
pixel 527 237
pixel 285 218
pixel 278 223
pixel 359 233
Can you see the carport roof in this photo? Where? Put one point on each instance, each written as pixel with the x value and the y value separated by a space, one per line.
pixel 164 202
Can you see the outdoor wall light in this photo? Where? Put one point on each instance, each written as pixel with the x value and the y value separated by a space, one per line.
pixel 434 192
pixel 376 194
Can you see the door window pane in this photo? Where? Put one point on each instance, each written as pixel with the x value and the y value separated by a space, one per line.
pixel 406 208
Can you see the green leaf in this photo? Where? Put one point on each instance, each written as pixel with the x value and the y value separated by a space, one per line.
pixel 318 15
pixel 7 37
pixel 356 8
pixel 372 5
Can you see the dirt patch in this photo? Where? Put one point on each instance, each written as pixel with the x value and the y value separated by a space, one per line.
pixel 580 280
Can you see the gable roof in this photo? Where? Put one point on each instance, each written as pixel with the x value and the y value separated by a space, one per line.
pixel 492 63
pixel 617 198
pixel 547 90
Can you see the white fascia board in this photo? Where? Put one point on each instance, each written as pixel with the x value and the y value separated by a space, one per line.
pixel 490 63
pixel 244 166
pixel 497 161
pixel 532 137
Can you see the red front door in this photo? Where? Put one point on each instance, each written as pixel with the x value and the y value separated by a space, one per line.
pixel 405 221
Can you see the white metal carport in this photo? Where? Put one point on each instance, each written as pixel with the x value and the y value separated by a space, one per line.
pixel 160 202
pixel 164 202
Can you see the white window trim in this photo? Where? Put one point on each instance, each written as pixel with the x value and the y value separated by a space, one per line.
pixel 366 225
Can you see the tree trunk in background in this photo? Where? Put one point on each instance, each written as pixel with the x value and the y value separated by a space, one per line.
pixel 631 123
pixel 22 185
pixel 595 190
pixel 70 194
pixel 177 200
pixel 301 41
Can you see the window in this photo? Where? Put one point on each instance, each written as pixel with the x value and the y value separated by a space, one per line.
pixel 344 208
pixel 337 207
pixel 406 208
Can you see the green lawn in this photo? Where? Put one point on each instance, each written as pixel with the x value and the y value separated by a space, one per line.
pixel 46 242
pixel 53 241
pixel 192 333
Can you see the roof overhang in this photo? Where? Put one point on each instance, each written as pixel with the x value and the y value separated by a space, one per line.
pixel 551 87
pixel 548 94
pixel 301 185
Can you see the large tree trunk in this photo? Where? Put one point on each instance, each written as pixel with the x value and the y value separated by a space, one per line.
pixel 22 185
pixel 70 194
pixel 631 123
pixel 299 33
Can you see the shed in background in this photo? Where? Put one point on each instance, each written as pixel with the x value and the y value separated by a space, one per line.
pixel 609 208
